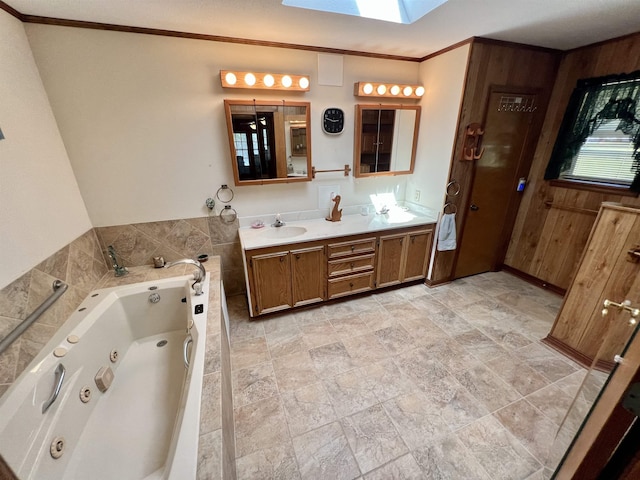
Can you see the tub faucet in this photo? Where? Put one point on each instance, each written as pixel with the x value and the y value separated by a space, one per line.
pixel 198 276
pixel 119 269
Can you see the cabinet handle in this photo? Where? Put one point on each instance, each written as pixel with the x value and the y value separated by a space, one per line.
pixel 352 266
pixel 297 256
pixel 401 241
pixel 413 239
pixel 351 284
pixel 353 247
pixel 281 259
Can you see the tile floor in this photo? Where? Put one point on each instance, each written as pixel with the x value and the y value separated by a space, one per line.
pixel 450 382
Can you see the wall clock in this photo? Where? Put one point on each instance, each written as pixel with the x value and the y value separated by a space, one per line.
pixel 333 121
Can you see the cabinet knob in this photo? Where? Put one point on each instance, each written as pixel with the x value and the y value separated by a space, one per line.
pixel 353 247
pixel 282 259
pixel 352 265
pixel 351 284
pixel 297 256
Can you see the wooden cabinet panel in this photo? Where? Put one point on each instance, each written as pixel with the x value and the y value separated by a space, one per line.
pixel 390 260
pixel 271 281
pixel 351 265
pixel 418 250
pixel 352 247
pixel 339 287
pixel 308 275
pixel 605 272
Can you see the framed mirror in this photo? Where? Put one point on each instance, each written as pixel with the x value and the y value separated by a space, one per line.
pixel 386 137
pixel 269 141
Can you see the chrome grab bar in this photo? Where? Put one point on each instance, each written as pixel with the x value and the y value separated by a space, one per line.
pixel 60 372
pixel 185 350
pixel 59 287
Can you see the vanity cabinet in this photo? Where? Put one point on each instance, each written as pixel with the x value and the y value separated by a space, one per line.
pixel 351 266
pixel 281 279
pixel 287 276
pixel 403 257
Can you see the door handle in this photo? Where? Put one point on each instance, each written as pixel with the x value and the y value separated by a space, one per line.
pixel 474 207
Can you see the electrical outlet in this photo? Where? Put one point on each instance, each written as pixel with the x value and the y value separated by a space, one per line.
pixel 416 196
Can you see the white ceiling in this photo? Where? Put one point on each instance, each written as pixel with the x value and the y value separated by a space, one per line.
pixel 561 24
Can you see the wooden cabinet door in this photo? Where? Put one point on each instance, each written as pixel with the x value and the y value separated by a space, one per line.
pixel 271 281
pixel 417 260
pixel 308 275
pixel 390 260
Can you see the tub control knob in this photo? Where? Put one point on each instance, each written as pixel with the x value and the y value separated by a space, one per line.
pixel 103 379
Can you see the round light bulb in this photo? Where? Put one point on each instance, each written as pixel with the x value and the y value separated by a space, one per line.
pixel 367 89
pixel 382 89
pixel 407 91
pixel 395 90
pixel 250 79
pixel 420 91
pixel 230 78
pixel 286 81
pixel 304 82
pixel 269 80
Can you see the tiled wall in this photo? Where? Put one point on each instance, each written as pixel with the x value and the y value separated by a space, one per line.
pixel 138 243
pixel 82 264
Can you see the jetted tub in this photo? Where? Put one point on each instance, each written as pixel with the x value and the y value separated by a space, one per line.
pixel 146 424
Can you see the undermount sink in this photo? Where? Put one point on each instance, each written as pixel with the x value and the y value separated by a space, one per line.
pixel 284 232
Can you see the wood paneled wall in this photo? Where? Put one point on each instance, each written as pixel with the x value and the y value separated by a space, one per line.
pixel 553 222
pixel 491 63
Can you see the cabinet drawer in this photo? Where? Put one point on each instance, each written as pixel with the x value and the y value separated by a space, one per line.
pixel 356 247
pixel 351 284
pixel 362 263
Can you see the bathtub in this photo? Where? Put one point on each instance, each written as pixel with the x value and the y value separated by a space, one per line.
pixel 146 424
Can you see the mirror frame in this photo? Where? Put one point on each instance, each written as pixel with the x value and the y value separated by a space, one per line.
pixel 229 103
pixel 357 147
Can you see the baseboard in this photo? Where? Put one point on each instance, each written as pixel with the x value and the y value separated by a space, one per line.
pixel 534 280
pixel 575 355
pixel 432 284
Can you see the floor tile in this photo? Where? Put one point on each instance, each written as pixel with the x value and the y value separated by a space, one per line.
pixel 416 422
pixel 260 425
pixel 447 458
pixel 350 392
pixel 348 326
pixel 331 359
pixel 365 349
pixel 545 362
pixel 373 439
pixel 419 365
pixel 487 387
pixel 249 352
pixel 517 373
pixel 307 408
pixel 285 343
pixel 254 383
pixel 395 339
pixel 499 453
pixel 324 454
pixel 319 333
pixel 294 371
pixel 552 402
pixel 387 380
pixel 272 462
pixel 529 426
pixel 453 403
pixel 403 468
pixel 481 346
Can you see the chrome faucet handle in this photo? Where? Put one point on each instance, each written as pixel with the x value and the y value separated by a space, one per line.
pixel 198 276
pixel 278 222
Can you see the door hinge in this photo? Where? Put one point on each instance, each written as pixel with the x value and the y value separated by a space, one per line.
pixel 251 262
pixel 631 400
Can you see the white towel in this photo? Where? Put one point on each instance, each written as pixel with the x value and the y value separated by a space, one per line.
pixel 447 232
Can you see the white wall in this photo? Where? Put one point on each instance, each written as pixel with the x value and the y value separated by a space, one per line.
pixel 443 78
pixel 143 121
pixel 41 209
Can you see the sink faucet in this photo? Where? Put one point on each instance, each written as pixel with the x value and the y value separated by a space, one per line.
pixel 278 222
pixel 198 276
pixel 384 209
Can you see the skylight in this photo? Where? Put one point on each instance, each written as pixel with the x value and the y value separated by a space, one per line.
pixel 398 11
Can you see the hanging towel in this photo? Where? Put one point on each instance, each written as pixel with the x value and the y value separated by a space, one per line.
pixel 447 232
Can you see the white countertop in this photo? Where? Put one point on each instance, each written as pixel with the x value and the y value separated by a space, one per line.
pixel 320 229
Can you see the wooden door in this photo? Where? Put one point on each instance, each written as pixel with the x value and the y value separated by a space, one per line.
pixel 271 281
pixel 308 275
pixel 418 249
pixel 390 260
pixel 494 200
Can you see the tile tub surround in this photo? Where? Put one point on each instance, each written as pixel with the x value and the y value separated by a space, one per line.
pixel 406 383
pixel 79 264
pixel 138 243
pixel 216 451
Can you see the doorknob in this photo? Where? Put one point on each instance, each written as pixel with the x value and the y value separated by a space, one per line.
pixel 474 207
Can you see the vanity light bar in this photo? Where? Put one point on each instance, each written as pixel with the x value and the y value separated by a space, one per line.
pixel 264 81
pixel 393 90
